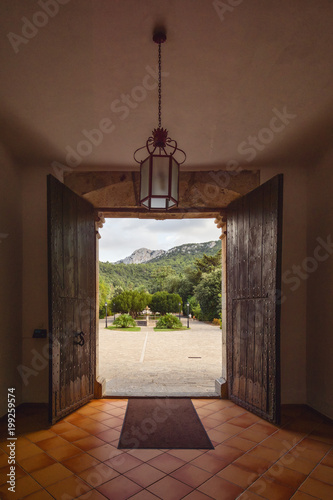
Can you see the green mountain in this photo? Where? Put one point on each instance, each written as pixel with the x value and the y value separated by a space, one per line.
pixel 175 260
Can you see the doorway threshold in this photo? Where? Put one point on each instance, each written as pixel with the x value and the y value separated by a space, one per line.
pixel 159 394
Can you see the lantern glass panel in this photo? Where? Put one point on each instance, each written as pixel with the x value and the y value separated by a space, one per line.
pixel 160 176
pixel 174 183
pixel 144 179
pixel 159 203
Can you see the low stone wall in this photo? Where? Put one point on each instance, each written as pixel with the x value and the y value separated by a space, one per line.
pixel 144 322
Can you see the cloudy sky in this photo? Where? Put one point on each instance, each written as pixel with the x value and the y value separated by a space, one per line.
pixel 120 237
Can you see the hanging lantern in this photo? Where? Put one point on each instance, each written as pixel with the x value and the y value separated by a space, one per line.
pixel 159 171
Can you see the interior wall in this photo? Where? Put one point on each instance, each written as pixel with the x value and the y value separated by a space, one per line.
pixel 318 269
pixel 35 358
pixel 293 299
pixel 10 282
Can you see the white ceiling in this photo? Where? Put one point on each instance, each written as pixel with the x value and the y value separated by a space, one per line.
pixel 225 79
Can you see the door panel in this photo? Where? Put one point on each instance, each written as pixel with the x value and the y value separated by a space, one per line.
pixel 254 228
pixel 72 299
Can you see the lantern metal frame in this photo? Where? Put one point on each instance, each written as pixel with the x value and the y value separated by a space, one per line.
pixel 159 145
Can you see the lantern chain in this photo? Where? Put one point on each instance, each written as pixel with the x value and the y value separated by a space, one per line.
pixel 159 86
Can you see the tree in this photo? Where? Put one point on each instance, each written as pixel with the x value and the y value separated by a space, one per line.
pixel 208 293
pixel 208 263
pixel 104 296
pixel 164 302
pixel 159 275
pixel 132 302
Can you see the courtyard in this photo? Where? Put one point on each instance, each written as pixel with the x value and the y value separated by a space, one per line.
pixel 149 363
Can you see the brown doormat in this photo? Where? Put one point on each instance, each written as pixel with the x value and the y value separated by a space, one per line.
pixel 154 423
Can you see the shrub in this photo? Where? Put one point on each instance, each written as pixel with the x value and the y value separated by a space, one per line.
pixel 216 322
pixel 124 321
pixel 169 321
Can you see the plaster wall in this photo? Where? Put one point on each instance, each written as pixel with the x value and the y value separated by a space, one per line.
pixel 10 279
pixel 35 357
pixel 319 269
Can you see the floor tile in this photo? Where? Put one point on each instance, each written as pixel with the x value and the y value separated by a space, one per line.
pixel 209 463
pixel 104 452
pixel 75 435
pixel 240 443
pixel 245 420
pixel 113 421
pixel 253 464
pixel 229 429
pixel 277 444
pixel 288 477
pixel 298 464
pixel 191 475
pixel 23 487
pixel 217 437
pixel 328 460
pixel 51 474
pixel 225 453
pixel 268 453
pixel 145 455
pixel 27 452
pixel 220 489
pixel 323 473
pixel 166 463
pixel 186 455
pixel 119 488
pixel 39 495
pixel 64 452
pixel 91 495
pixel 40 436
pixel 252 435
pixel 197 495
pixel 108 435
pixel 88 443
pixel 145 475
pixel 80 463
pixel 19 472
pixel 101 416
pixel 62 427
pixel 238 476
pixel 299 495
pixel 37 462
pixel 73 487
pixel 123 462
pixel 144 495
pixel 51 443
pixel 271 490
pixel 97 475
pixel 169 488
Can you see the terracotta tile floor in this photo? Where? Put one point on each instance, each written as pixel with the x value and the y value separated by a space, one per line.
pixel 252 459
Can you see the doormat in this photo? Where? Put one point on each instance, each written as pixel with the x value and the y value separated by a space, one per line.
pixel 163 423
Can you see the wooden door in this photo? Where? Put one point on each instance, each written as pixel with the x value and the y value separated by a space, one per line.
pixel 254 227
pixel 72 299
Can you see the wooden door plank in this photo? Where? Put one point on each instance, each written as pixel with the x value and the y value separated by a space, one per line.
pixel 72 299
pixel 253 269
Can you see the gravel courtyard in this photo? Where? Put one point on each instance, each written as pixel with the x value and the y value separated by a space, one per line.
pixel 148 363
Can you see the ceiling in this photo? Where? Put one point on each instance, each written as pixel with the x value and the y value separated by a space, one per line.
pixel 228 75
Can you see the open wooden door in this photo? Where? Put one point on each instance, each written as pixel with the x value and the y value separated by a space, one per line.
pixel 72 299
pixel 254 227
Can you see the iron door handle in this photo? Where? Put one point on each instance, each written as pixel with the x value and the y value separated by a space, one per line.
pixel 81 341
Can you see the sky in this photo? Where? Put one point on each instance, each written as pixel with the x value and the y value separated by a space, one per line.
pixel 120 237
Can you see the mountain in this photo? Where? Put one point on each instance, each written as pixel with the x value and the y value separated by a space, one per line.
pixel 141 256
pixel 139 269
